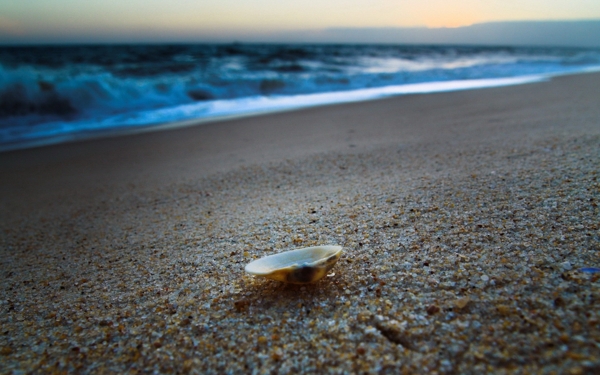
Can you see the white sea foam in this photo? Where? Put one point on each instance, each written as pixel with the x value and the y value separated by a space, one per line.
pixel 48 96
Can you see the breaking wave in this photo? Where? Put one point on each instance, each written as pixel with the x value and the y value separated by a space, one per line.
pixel 54 91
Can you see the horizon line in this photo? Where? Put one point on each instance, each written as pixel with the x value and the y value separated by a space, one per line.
pixel 385 35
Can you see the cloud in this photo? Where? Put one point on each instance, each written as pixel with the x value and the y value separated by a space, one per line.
pixel 514 33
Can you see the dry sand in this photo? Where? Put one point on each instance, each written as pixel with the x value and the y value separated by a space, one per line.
pixel 466 219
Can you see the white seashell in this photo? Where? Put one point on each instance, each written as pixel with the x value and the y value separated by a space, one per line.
pixel 300 266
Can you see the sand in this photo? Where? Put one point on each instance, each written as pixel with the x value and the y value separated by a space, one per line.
pixel 469 221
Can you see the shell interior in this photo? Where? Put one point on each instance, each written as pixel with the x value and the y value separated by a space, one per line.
pixel 297 266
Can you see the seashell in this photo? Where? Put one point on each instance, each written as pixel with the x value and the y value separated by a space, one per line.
pixel 301 266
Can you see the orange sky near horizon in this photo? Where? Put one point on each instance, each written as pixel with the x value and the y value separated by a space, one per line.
pixel 231 17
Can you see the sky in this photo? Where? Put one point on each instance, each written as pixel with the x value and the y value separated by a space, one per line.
pixel 222 20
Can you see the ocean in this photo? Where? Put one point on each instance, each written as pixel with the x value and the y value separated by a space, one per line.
pixel 52 94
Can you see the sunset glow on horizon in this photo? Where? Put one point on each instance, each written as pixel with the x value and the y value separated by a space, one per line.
pixel 107 20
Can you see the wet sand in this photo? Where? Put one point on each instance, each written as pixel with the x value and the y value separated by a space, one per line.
pixel 466 219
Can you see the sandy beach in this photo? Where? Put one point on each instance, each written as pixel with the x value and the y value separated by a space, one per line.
pixel 469 221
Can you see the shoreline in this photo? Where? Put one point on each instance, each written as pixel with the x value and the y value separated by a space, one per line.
pixel 310 101
pixel 466 220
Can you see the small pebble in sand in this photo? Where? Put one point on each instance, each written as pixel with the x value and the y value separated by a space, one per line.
pixel 432 309
pixel 462 302
pixel 276 354
pixel 566 266
pixel 590 270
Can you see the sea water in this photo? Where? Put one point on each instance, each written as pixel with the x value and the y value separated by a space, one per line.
pixel 50 94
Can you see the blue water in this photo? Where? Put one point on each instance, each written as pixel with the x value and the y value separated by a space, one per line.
pixel 54 93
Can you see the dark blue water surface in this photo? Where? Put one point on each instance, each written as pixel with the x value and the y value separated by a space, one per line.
pixel 50 92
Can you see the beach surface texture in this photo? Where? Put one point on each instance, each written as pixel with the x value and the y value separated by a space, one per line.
pixel 469 221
